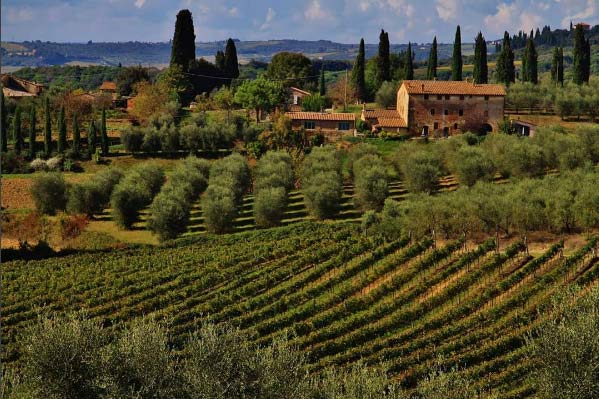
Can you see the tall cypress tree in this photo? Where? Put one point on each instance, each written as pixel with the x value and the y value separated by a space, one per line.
pixel 3 127
pixel 587 60
pixel 431 71
pixel 554 64
pixel 322 89
pixel 408 64
pixel 62 131
pixel 231 62
pixel 104 134
pixel 358 73
pixel 531 56
pixel 581 67
pixel 560 67
pixel 47 129
pixel 76 136
pixel 91 139
pixel 183 49
pixel 505 70
pixel 32 121
pixel 481 70
pixel 456 59
pixel 16 131
pixel 384 62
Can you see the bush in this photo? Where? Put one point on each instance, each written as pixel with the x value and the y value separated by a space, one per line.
pixel 386 96
pixel 471 164
pixel 219 207
pixel 55 163
pixel 235 169
pixel 132 139
pixel 169 214
pixel 13 163
pixel 81 199
pixel 38 165
pixel 322 194
pixel 152 141
pixel 274 170
pixel 370 182
pixel 421 171
pixel 49 192
pixel 269 206
pixel 210 137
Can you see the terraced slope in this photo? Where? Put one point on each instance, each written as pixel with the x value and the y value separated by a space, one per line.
pixel 341 296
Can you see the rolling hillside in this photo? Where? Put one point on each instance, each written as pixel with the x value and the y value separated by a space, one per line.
pixel 341 295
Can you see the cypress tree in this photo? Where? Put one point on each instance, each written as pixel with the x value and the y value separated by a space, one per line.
pixel 431 71
pixel 587 61
pixel 531 62
pixel 219 60
pixel 408 64
pixel 47 129
pixel 62 131
pixel 322 89
pixel 16 131
pixel 104 134
pixel 91 139
pixel 554 64
pixel 231 62
pixel 456 59
pixel 384 63
pixel 76 136
pixel 581 67
pixel 481 70
pixel 560 67
pixel 32 132
pixel 3 127
pixel 183 49
pixel 505 70
pixel 358 73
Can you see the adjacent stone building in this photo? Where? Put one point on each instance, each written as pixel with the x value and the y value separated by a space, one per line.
pixel 332 125
pixel 16 88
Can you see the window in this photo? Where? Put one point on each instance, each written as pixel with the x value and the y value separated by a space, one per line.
pixel 455 126
pixel 447 97
pixel 426 96
pixel 446 112
pixel 461 112
pixel 486 98
pixel 462 98
pixel 436 125
pixel 309 125
pixel 432 111
pixel 439 97
pixel 445 132
pixel 343 125
pixel 424 131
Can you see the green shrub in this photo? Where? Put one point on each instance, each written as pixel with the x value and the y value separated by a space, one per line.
pixel 370 182
pixel 471 164
pixel 132 139
pixel 219 208
pixel 322 195
pixel 126 202
pixel 274 170
pixel 269 206
pixel 169 214
pixel 49 192
pixel 152 141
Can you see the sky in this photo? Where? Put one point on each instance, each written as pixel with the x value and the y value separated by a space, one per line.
pixel 344 21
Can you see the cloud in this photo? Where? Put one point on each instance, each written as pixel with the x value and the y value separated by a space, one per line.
pixel 530 21
pixel 589 10
pixel 140 3
pixel 234 12
pixel 270 15
pixel 503 19
pixel 316 12
pixel 447 9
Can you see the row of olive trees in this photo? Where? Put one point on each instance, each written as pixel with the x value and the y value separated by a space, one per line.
pixel 557 203
pixel 370 177
pixel 135 191
pixel 273 180
pixel 322 182
pixel 472 160
pixel 171 208
pixel 229 180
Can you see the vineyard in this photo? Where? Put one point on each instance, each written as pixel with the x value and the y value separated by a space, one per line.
pixel 340 296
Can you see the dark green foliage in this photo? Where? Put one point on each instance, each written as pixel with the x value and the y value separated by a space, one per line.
pixel 456 58
pixel 273 179
pixel 17 135
pixel 408 64
pixel 370 182
pixel 431 70
pixel 92 196
pixel 260 94
pixel 91 139
pixel 529 63
pixel 386 95
pixel 554 64
pixel 471 164
pixel 505 70
pixel 32 132
pixel 557 66
pixel 322 183
pixel 128 77
pixel 231 64
pixel 358 71
pixel 62 131
pixel 76 136
pixel 3 125
pixel 47 128
pixel 183 46
pixel 582 57
pixel 208 137
pixel 132 139
pixel 420 169
pixel 481 72
pixel 383 61
pixel 269 206
pixel 314 103
pixel 292 69
pixel 104 135
pixel 322 88
pixel 560 67
pixel 219 60
pixel 49 192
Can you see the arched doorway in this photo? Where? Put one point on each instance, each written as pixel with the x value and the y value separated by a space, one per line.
pixel 486 128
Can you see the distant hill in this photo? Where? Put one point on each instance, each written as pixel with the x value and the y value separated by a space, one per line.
pixel 40 53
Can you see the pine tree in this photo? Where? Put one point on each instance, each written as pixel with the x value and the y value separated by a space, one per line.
pixel 456 60
pixel 183 47
pixel 481 69
pixel 554 64
pixel 32 121
pixel 231 62
pixel 47 129
pixel 322 89
pixel 91 139
pixel 505 70
pixel 358 73
pixel 384 63
pixel 3 127
pixel 431 72
pixel 76 136
pixel 104 135
pixel 16 131
pixel 408 64
pixel 560 67
pixel 219 60
pixel 62 131
pixel 581 67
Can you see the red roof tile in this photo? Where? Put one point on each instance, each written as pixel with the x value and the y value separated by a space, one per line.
pixel 108 86
pixel 320 116
pixel 452 88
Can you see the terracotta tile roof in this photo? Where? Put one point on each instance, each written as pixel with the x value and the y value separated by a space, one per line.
pixel 320 116
pixel 454 88
pixel 392 122
pixel 306 93
pixel 380 113
pixel 108 86
pixel 384 118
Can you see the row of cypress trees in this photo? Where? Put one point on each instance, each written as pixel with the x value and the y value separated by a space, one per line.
pixel 61 144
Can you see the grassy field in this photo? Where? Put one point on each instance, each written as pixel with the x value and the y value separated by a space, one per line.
pixel 340 295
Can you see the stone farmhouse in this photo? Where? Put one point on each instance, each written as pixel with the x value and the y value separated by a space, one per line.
pixel 441 108
pixel 332 125
pixel 17 88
